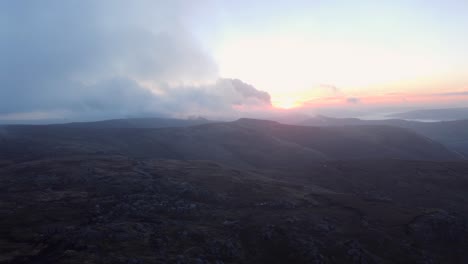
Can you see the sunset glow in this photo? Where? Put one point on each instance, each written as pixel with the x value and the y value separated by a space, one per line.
pixel 221 60
pixel 286 103
pixel 362 51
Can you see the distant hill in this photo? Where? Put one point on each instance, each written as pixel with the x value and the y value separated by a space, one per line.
pixel 434 114
pixel 140 123
pixel 453 134
pixel 246 142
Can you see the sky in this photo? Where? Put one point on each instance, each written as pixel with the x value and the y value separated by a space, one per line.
pixel 89 60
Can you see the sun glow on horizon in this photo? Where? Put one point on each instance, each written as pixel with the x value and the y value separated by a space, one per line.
pixel 369 56
pixel 286 103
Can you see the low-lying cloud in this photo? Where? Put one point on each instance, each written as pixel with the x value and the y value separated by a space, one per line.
pixel 247 91
pixel 353 100
pixel 102 59
pixel 462 93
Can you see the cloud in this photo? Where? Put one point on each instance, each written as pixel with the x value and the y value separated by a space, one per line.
pixel 462 93
pixel 353 100
pixel 109 58
pixel 329 87
pixel 247 91
pixel 221 96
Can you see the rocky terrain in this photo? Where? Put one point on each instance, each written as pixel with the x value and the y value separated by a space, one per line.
pixel 255 192
pixel 122 210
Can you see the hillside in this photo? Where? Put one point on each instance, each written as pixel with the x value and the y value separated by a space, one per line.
pixel 445 114
pixel 245 143
pixel 453 134
pixel 139 123
pixel 115 209
pixel 249 191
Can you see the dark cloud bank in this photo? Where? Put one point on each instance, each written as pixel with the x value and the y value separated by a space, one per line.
pixel 104 59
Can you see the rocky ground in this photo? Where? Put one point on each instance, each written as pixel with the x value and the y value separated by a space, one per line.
pixel 114 209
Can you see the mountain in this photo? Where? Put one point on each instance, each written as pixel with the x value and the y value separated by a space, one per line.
pixel 434 114
pixel 248 191
pixel 246 143
pixel 453 134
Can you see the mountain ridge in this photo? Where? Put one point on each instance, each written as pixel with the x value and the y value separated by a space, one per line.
pixel 453 134
pixel 245 142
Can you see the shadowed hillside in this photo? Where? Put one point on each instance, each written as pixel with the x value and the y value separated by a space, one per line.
pixel 246 143
pixel 453 134
pixel 434 114
pixel 115 209
pixel 139 123
pixel 249 191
